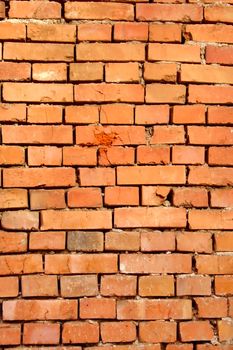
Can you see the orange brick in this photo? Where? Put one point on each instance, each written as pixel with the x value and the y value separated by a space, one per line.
pixel 12 112
pixel 9 287
pixel 165 93
pixel 80 332
pixel 152 114
pixel 51 32
pixel 2 9
pixel 193 285
pixel 190 197
pixel 20 220
pixel 219 14
pixel 94 32
pixel 157 331
pixel 206 74
pixel 153 155
pixel 97 308
pixel 189 114
pixel 118 332
pixel 84 198
pixel 122 72
pixel 155 195
pixel 211 219
pixel 13 198
pixel 44 114
pixel 76 286
pixel 211 307
pixel 118 285
pixel 203 175
pixel 160 72
pixel 219 54
pixel 39 286
pixel 79 156
pixel 224 241
pixel 15 71
pixel 11 242
pixel 194 242
pixel 86 71
pixel 156 286
pixel 81 114
pixel 38 52
pixel 47 199
pixel 168 135
pixel 221 198
pixel 41 333
pixel 49 72
pixel 221 155
pixel 110 52
pixel 210 94
pixel 225 330
pixel 169 32
pixel 215 33
pixel 20 264
pixel 47 240
pixel 117 196
pixel 97 176
pixel 174 52
pixel 108 92
pixel 99 11
pixel 38 9
pixel 117 113
pixel 149 309
pixel 223 285
pixel 220 115
pixel 131 31
pixel 10 334
pixel 196 331
pixel 46 155
pixel 152 263
pixel 76 219
pixel 168 12
pixel 122 240
pixel 15 31
pixel 108 156
pixel 214 264
pixel 157 241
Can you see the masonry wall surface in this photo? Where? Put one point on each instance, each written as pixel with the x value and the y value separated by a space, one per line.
pixel 116 175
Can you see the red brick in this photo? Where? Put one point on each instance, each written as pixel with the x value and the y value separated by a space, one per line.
pixel 156 286
pixel 225 330
pixel 203 175
pixel 12 112
pixel 157 241
pixel 221 198
pixel 108 92
pixel 155 195
pixel 84 198
pixel 131 31
pixel 44 114
pixel 15 31
pixel 122 240
pixel 190 197
pixel 97 176
pixel 47 240
pixel 168 12
pixel 15 71
pixel 193 285
pixel 174 52
pixel 80 332
pixel 38 9
pixel 118 285
pixel 99 11
pixel 160 72
pixel 20 220
pixel 45 155
pixel 223 285
pixel 168 135
pixel 81 114
pixel 94 32
pixel 189 114
pixel 219 54
pixel 215 264
pixel 78 286
pixel 40 310
pixel 79 156
pixel 196 331
pixel 157 331
pixel 86 71
pixel 41 333
pixel 108 156
pixel 110 52
pixel 150 175
pixel 117 113
pixel 11 242
pixel 220 115
pixel 221 155
pixel 20 264
pixel 97 308
pixel 223 241
pixel 39 52
pixel 34 177
pixel 215 33
pixel 165 93
pixel 200 242
pixel 39 286
pixel 118 332
pixel 80 263
pixel 49 72
pixel 152 114
pixel 153 155
pixel 9 287
pixel 10 334
pixel 47 199
pixel 152 263
pixel 211 307
pixel 13 198
pixel 149 309
pixel 218 14
pixel 122 72
pixel 117 196
pixel 51 32
pixel 169 32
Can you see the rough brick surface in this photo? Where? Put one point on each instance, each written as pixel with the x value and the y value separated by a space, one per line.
pixel 116 175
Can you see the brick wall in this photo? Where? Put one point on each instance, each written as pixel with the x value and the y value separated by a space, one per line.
pixel 116 173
